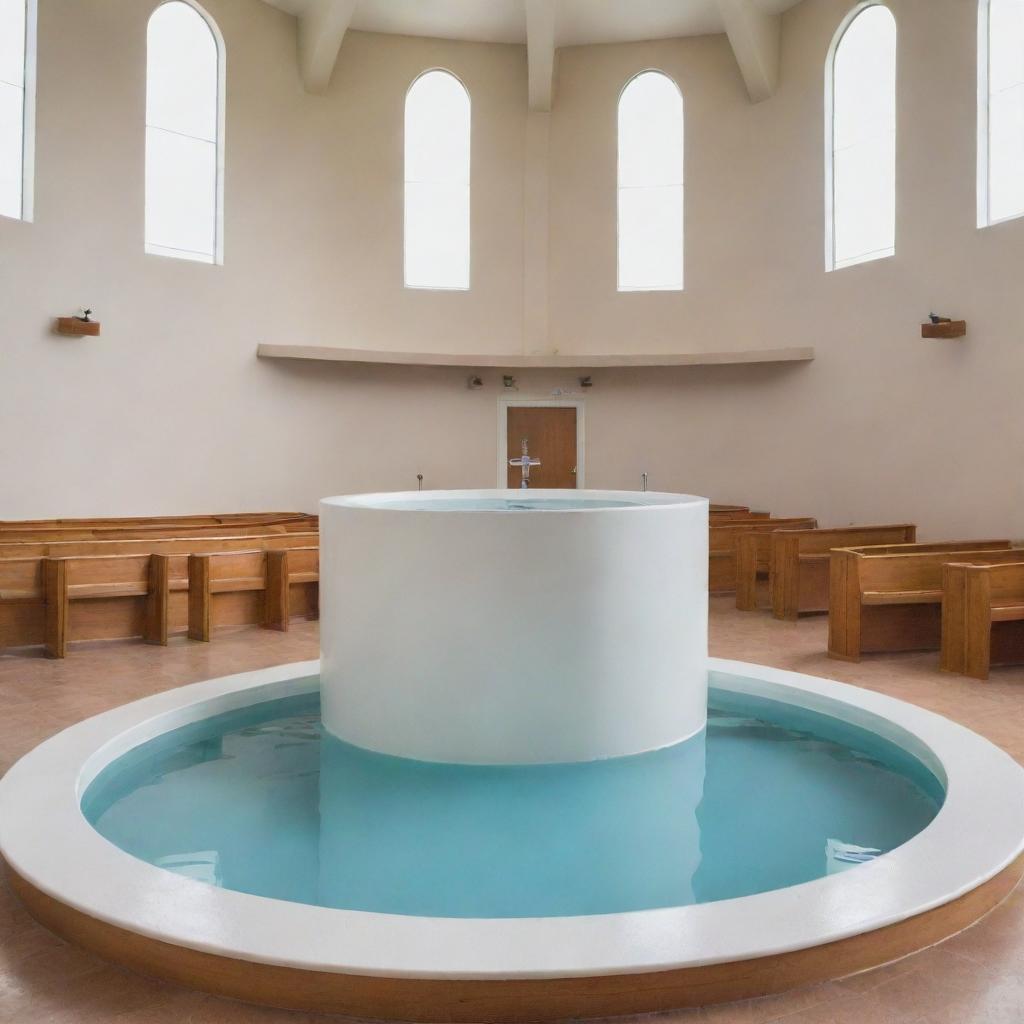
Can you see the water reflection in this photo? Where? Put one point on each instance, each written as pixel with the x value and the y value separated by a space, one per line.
pixel 431 839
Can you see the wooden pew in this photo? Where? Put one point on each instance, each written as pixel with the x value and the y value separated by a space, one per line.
pixel 102 581
pixel 723 543
pixel 797 564
pixel 232 588
pixel 980 606
pixel 889 598
pixel 23 597
pixel 56 600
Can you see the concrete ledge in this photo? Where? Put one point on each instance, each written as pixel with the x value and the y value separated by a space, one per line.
pixel 580 361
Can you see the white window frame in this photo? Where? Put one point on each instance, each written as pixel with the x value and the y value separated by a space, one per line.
pixel 218 224
pixel 984 14
pixel 830 171
pixel 985 220
pixel 405 181
pixel 28 115
pixel 618 187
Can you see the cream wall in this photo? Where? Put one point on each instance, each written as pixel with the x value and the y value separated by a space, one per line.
pixel 170 411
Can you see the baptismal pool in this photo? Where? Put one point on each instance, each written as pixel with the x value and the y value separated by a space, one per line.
pixel 263 801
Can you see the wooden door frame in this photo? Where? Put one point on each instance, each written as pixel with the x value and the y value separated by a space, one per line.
pixel 504 404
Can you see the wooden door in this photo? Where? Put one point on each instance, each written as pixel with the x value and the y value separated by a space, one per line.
pixel 551 434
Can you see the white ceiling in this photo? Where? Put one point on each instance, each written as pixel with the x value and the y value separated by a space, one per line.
pixel 504 21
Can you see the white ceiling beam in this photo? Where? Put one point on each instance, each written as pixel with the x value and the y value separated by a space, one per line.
pixel 755 36
pixel 541 24
pixel 322 27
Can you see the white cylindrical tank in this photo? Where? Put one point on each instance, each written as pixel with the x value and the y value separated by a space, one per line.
pixel 514 627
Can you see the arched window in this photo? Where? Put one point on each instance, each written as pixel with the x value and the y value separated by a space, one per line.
pixel 437 129
pixel 860 132
pixel 1000 110
pixel 650 193
pixel 17 104
pixel 184 134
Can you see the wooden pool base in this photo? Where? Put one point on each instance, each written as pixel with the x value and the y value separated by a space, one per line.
pixel 502 1001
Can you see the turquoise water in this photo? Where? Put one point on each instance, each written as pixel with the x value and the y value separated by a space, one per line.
pixel 261 801
pixel 506 504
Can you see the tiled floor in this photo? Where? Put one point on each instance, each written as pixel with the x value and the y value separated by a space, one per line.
pixel 974 978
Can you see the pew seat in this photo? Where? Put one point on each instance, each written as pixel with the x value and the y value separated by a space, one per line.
pixel 887 597
pixel 1007 612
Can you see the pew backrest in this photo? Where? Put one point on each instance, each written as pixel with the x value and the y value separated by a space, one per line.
pixel 821 542
pixel 142 532
pixel 101 522
pixel 1003 581
pixel 742 516
pixel 886 577
pixel 798 562
pixel 21 579
pixel 928 546
pixel 724 536
pixel 164 545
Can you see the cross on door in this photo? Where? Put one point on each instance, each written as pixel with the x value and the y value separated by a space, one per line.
pixel 524 462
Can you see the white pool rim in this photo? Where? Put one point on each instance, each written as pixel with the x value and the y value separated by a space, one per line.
pixel 436 502
pixel 45 838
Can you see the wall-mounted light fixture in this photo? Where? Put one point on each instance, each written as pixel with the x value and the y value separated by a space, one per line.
pixel 586 382
pixel 508 382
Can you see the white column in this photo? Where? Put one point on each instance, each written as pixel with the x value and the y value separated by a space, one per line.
pixel 536 233
pixel 490 637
